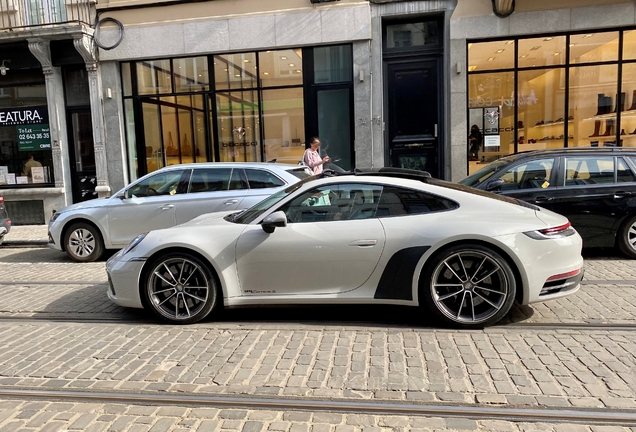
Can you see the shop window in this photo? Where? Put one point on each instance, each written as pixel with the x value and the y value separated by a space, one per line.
pixel 153 77
pixel 131 140
pixel 541 114
pixel 629 45
pixel 284 125
pixel 191 74
pixel 235 71
pixel 544 51
pixel 594 47
pixel 628 114
pixel 333 64
pixel 491 55
pixel 126 79
pixel 281 68
pixel 593 104
pixel 238 123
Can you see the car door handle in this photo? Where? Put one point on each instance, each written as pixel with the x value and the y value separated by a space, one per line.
pixel 363 243
pixel 542 199
pixel 228 202
pixel 621 194
pixel 166 206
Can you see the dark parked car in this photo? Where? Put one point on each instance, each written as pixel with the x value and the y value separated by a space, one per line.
pixel 5 222
pixel 595 188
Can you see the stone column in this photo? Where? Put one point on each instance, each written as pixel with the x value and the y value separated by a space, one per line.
pixel 40 48
pixel 85 45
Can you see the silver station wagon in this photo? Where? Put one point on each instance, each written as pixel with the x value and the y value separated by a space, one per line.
pixel 162 199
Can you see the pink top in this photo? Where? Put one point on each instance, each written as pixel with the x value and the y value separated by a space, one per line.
pixel 313 160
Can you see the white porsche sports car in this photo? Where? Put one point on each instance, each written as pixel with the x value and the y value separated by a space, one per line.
pixel 385 236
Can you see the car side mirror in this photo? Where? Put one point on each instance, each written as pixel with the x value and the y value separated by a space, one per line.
pixel 276 219
pixel 122 196
pixel 494 184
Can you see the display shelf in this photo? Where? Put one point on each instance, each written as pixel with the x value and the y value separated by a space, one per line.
pixel 552 124
pixel 611 137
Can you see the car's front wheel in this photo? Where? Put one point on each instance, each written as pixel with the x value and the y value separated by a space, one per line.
pixel 179 288
pixel 83 242
pixel 468 286
pixel 626 238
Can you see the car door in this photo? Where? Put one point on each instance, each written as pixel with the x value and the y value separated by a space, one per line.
pixel 331 244
pixel 262 183
pixel 211 190
pixel 590 198
pixel 530 180
pixel 147 205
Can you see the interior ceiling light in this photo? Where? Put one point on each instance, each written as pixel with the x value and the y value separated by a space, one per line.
pixel 556 54
pixel 548 39
pixel 503 8
pixel 572 45
pixel 265 73
pixel 298 71
pixel 500 50
pixel 588 36
pixel 237 75
pixel 510 42
pixel 524 56
pixel 291 65
pixel 470 46
pixel 534 48
pixel 283 58
pixel 246 61
pixel 491 58
pixel 471 68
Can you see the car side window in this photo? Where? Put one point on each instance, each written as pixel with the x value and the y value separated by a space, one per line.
pixel 533 174
pixel 237 180
pixel 585 170
pixel 624 172
pixel 164 183
pixel 261 179
pixel 334 202
pixel 210 180
pixel 396 201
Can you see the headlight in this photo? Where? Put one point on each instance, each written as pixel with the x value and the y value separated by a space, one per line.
pixel 133 244
pixel 55 216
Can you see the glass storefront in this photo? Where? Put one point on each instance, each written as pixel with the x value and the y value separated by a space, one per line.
pixel 25 137
pixel 240 107
pixel 565 90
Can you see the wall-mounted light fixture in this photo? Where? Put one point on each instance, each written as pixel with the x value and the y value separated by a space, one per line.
pixel 3 68
pixel 503 8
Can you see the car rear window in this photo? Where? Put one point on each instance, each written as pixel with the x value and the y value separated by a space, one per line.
pixel 301 172
pixel 260 179
pixel 471 190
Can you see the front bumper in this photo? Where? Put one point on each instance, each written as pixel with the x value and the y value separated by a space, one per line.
pixel 123 281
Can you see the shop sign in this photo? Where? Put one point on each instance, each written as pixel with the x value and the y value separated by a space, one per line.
pixel 31 124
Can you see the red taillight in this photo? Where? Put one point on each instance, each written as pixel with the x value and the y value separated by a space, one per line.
pixel 555 230
pixel 1 200
pixel 564 275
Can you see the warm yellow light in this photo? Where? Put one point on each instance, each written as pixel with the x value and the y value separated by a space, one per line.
pixel 265 73
pixel 491 58
pixel 500 50
pixel 548 39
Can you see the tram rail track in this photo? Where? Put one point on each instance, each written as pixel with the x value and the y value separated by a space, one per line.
pixel 376 407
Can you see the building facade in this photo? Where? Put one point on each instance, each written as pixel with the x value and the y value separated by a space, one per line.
pixel 144 84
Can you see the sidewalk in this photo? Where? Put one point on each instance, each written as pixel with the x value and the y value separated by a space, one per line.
pixel 27 235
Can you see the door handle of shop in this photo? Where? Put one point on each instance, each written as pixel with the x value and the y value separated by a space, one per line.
pixel 166 206
pixel 363 243
pixel 542 199
pixel 228 202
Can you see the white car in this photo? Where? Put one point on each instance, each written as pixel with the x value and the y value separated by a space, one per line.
pixel 386 236
pixel 164 198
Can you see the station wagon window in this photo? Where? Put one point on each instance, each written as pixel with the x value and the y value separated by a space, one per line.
pixel 334 202
pixel 165 183
pixel 625 174
pixel 401 202
pixel 587 170
pixel 534 174
pixel 210 180
pixel 260 179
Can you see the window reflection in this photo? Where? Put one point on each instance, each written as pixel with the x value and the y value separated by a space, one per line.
pixel 153 76
pixel 281 68
pixel 191 74
pixel 233 71
pixel 594 47
pixel 284 125
pixel 491 55
pixel 238 126
pixel 628 116
pixel 544 51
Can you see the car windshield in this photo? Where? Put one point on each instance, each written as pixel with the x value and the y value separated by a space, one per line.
pixel 485 173
pixel 249 215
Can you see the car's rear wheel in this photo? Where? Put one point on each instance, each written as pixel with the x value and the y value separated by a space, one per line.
pixel 468 286
pixel 83 242
pixel 626 238
pixel 179 288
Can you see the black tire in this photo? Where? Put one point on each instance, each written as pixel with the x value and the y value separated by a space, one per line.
pixel 626 237
pixel 83 242
pixel 490 295
pixel 179 288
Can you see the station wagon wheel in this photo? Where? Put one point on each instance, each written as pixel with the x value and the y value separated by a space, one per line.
pixel 180 289
pixel 83 242
pixel 626 238
pixel 468 286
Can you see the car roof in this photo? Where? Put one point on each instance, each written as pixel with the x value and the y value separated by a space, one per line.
pixel 271 165
pixel 605 151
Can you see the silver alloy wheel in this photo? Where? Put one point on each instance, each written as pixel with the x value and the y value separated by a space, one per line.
pixel 469 287
pixel 631 236
pixel 81 242
pixel 178 288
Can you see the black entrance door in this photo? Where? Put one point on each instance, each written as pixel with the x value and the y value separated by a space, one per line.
pixel 414 103
pixel 82 154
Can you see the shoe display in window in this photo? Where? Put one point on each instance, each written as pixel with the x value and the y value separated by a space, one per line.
pixel 539 123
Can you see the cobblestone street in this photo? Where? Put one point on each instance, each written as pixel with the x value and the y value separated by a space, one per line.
pixel 59 332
